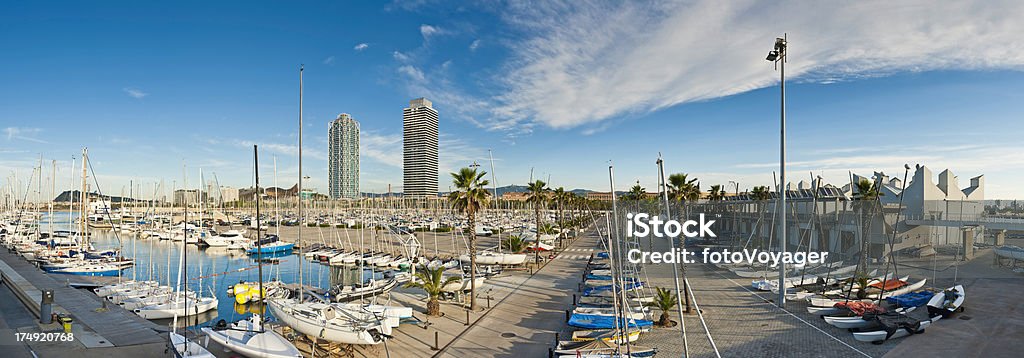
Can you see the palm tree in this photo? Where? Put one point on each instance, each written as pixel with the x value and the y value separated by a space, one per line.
pixel 637 192
pixel 432 281
pixel 514 244
pixel 866 197
pixel 469 197
pixel 538 196
pixel 561 197
pixel 760 193
pixel 679 185
pixel 664 300
pixel 716 193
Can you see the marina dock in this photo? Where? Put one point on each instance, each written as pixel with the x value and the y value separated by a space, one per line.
pixel 99 330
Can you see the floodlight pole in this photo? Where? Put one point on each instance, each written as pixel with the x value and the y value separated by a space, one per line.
pixel 780 50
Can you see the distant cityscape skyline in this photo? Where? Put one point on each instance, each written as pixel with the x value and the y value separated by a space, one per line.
pixel 560 99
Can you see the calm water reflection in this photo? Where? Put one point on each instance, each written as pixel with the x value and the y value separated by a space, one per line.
pixel 211 269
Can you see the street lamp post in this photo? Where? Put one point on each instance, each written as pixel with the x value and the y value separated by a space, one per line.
pixel 778 56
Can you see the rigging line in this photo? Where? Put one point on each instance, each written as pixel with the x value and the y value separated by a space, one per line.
pixel 700 315
pixel 109 218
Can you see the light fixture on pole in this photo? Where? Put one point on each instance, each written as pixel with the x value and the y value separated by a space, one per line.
pixel 778 56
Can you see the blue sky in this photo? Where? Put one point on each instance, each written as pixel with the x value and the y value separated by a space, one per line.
pixel 559 87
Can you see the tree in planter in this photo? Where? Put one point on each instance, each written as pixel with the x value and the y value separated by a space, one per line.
pixel 432 282
pixel 664 300
pixel 469 197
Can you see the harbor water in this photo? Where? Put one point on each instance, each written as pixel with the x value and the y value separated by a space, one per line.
pixel 211 270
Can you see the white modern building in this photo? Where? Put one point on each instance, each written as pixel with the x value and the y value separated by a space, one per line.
pixel 823 216
pixel 343 157
pixel 419 148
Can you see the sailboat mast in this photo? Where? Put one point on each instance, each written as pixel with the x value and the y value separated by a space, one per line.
pixel 82 217
pixel 299 185
pixel 277 216
pixel 259 245
pixel 53 191
pixel 494 185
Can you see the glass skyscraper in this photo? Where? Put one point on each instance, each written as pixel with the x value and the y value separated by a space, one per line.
pixel 343 157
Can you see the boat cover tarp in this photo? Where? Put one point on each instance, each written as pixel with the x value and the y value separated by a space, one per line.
pixel 590 321
pixel 913 299
pixel 592 290
pixel 892 322
pixel 860 308
pixel 889 284
pixel 608 278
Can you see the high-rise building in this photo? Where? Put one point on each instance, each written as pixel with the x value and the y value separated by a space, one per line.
pixel 419 134
pixel 343 157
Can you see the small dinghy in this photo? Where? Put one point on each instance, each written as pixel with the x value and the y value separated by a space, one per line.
pixel 946 302
pixel 601 348
pixel 249 338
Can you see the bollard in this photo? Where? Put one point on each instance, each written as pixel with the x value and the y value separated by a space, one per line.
pixel 435 347
pixel 574 299
pixel 556 338
pixel 568 314
pixel 467 317
pixel 551 352
pixel 488 302
pixel 46 307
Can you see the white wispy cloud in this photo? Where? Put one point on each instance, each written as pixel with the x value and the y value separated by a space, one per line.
pixel 280 148
pixel 583 63
pixel 429 30
pixel 329 60
pixel 361 46
pixel 474 45
pixel 412 72
pixel 400 57
pixel 383 148
pixel 22 133
pixel 134 92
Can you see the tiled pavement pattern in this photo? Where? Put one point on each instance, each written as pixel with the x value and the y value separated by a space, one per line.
pixel 745 325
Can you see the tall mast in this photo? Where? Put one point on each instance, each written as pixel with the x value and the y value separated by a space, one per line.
pixel 299 194
pixel 259 244
pixel 53 190
pixel 82 217
pixel 277 217
pixel 494 184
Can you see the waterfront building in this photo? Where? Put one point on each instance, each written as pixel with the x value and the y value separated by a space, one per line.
pixel 228 194
pixel 343 157
pixel 832 218
pixel 189 195
pixel 419 148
